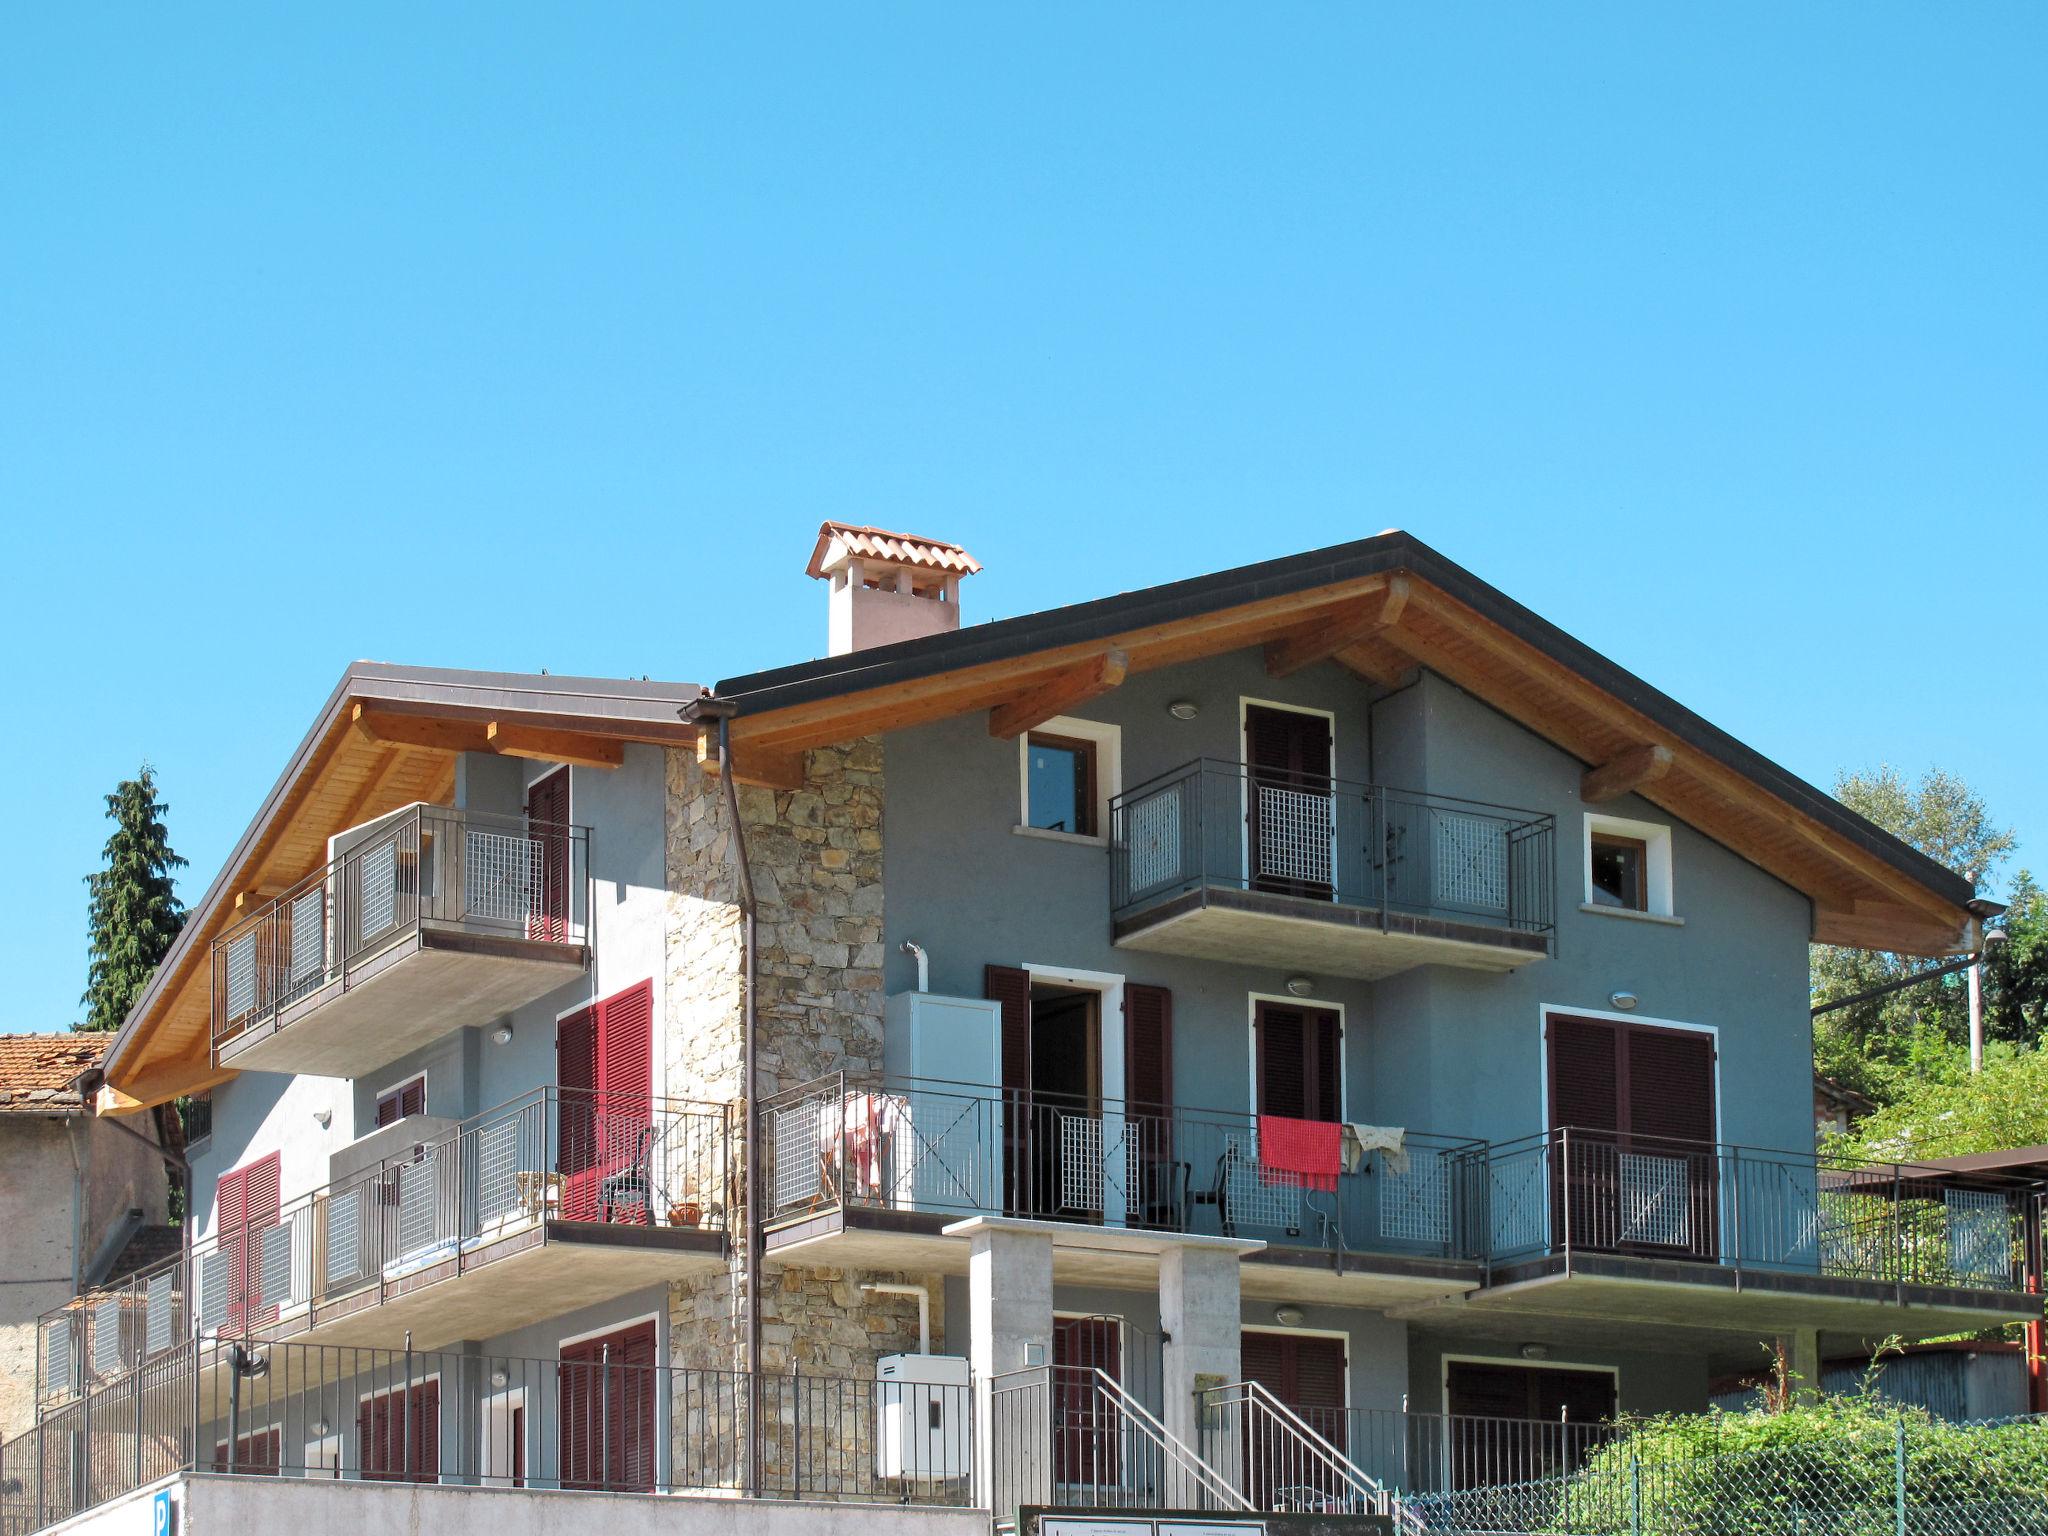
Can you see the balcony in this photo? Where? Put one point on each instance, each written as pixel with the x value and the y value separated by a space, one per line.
pixel 1216 861
pixel 555 1195
pixel 865 1173
pixel 1591 1223
pixel 428 919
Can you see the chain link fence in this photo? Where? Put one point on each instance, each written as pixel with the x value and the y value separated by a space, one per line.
pixel 1853 1475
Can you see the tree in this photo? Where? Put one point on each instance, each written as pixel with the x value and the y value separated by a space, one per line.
pixel 135 911
pixel 1915 1033
pixel 1952 1115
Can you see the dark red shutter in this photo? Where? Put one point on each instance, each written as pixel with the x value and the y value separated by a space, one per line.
pixel 547 808
pixel 1010 986
pixel 231 1232
pixel 1670 1085
pixel 1306 1372
pixel 259 1453
pixel 576 1074
pixel 398 1434
pixel 1488 1391
pixel 424 1426
pixel 1299 1053
pixel 1585 1075
pixel 608 1417
pixel 1148 1049
pixel 625 1104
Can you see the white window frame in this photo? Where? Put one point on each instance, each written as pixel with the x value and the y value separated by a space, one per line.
pixel 323 1456
pixel 1656 841
pixel 1108 741
pixel 1251 1046
pixel 496 1412
pixel 400 1086
pixel 1245 705
pixel 1584 1366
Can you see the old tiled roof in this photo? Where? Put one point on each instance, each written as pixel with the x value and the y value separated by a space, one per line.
pixel 149 1247
pixel 36 1070
pixel 880 544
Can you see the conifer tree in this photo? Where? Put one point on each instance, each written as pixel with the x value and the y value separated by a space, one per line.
pixel 135 908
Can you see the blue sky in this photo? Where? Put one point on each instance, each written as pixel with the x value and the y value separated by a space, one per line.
pixel 522 337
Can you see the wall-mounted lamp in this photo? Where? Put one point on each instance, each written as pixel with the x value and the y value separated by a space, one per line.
pixel 1301 986
pixel 502 1035
pixel 320 1427
pixel 1535 1351
pixel 323 1118
pixel 1288 1317
pixel 499 1376
pixel 1625 1001
pixel 1183 709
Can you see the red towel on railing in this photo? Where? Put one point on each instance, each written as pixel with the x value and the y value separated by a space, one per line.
pixel 1309 1152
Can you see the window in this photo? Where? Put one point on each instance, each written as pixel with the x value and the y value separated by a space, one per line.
pixel 1060 784
pixel 399 1434
pixel 1298 1062
pixel 606 1388
pixel 258 1452
pixel 1069 771
pixel 1620 872
pixel 409 1098
pixel 1628 868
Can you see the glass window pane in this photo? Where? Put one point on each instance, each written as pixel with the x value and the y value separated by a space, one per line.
pixel 1057 778
pixel 1617 873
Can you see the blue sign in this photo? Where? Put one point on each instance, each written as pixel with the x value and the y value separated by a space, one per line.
pixel 163 1514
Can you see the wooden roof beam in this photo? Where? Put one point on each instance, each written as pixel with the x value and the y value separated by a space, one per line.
pixel 763 767
pixel 1058 694
pixel 385 728
pixel 1625 773
pixel 1381 661
pixel 553 746
pixel 1345 625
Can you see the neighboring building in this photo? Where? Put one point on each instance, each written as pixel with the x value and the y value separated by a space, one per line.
pixel 1324 974
pixel 1836 1106
pixel 75 1194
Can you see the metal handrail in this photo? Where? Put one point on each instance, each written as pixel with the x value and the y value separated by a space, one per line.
pixel 1304 1453
pixel 1371 846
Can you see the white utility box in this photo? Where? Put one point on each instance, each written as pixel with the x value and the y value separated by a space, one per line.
pixel 922 1416
pixel 943 1059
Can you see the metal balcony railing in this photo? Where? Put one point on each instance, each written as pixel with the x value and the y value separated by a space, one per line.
pixel 602 1424
pixel 1595 1192
pixel 1211 822
pixel 426 866
pixel 914 1145
pixel 552 1155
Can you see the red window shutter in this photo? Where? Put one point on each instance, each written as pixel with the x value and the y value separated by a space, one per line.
pixel 608 1416
pixel 576 1072
pixel 1298 1053
pixel 412 1099
pixel 387 1110
pixel 1148 1049
pixel 1670 1085
pixel 625 1044
pixel 1327 1079
pixel 1489 1391
pixel 373 1449
pixel 425 1429
pixel 1011 987
pixel 1318 1382
pixel 547 806
pixel 1585 1075
pixel 1263 1358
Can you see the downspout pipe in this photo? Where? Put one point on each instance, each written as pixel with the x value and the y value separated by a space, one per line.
pixel 722 711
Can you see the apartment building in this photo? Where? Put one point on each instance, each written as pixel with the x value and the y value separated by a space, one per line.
pixel 997 1061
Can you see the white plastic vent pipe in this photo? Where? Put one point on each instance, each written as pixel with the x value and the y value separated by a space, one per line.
pixel 896 1288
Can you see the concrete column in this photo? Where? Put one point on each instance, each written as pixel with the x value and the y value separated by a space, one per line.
pixel 1802 1352
pixel 1198 1311
pixel 1009 1302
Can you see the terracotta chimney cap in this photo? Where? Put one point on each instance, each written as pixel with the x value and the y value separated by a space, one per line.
pixel 840 542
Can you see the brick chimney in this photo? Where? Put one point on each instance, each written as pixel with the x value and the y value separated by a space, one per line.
pixel 887 587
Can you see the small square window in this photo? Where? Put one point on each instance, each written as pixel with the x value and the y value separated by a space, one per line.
pixel 1620 872
pixel 1059 784
pixel 405 1100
